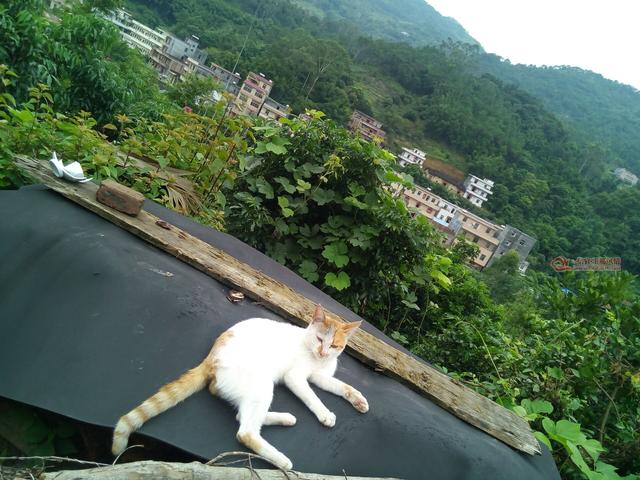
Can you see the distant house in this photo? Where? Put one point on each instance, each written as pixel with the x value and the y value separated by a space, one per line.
pixel 455 222
pixel 474 189
pixel 273 110
pixel 184 49
pixel 169 68
pixel 513 239
pixel 626 176
pixel 412 156
pixel 231 81
pixel 136 34
pixel 477 190
pixel 366 126
pixel 254 91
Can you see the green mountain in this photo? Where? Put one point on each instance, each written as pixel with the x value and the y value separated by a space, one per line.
pixel 412 21
pixel 597 109
pixel 552 172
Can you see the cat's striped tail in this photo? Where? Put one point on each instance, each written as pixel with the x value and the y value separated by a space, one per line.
pixel 167 397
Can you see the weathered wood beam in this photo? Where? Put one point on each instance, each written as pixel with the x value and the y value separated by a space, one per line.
pixel 446 392
pixel 197 471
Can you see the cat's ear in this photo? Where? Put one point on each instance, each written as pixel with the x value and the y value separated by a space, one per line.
pixel 318 314
pixel 351 327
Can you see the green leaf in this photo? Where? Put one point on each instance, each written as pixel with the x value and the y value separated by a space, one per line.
pixel 286 184
pixel 322 196
pixel 520 411
pixel 549 426
pixel 275 148
pixel 555 372
pixel 539 406
pixel 265 188
pixel 570 431
pixel 593 447
pixel 283 202
pixel 353 201
pixel 309 270
pixel 543 438
pixel 440 278
pixel 303 186
pixel 339 282
pixel 336 253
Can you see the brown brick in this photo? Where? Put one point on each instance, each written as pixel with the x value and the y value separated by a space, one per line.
pixel 120 197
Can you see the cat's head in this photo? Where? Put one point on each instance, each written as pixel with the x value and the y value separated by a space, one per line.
pixel 326 336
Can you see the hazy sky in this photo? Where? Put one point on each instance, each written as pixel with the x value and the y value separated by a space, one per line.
pixel 598 35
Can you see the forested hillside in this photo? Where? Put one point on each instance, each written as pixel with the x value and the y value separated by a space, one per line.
pixel 412 21
pixel 431 97
pixel 599 110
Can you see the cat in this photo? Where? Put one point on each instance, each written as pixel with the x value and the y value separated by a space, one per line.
pixel 245 363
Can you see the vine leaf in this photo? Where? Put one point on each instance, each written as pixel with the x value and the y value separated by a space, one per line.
pixel 339 282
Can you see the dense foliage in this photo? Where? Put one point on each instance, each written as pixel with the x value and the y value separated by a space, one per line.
pixel 80 58
pixel 561 351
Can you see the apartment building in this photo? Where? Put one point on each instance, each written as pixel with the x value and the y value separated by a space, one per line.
pixel 254 91
pixel 513 239
pixel 136 34
pixel 366 126
pixel 455 222
pixel 230 81
pixel 273 110
pixel 183 49
pixel 477 190
pixel 169 68
pixel 483 233
pixel 412 156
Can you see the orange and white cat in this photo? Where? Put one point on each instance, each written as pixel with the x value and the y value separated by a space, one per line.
pixel 243 366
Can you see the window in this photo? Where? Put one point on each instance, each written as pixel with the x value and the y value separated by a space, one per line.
pixel 513 234
pixel 259 95
pixel 522 242
pixel 475 239
pixel 464 219
pixel 255 104
pixel 507 243
pixel 488 230
pixel 483 256
pixel 476 225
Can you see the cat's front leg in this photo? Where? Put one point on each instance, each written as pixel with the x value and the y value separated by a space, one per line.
pixel 300 387
pixel 344 390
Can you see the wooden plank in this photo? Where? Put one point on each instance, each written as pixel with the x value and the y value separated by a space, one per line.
pixel 450 394
pixel 153 470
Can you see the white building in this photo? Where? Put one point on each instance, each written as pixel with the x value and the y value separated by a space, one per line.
pixel 477 190
pixel 626 176
pixel 411 157
pixel 136 34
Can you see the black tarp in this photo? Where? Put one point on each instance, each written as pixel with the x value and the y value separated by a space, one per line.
pixel 94 320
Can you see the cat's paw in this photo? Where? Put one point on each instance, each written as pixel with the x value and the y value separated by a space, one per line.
pixel 327 418
pixel 287 420
pixel 357 400
pixel 282 461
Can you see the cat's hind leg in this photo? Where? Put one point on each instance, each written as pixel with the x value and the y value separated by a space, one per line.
pixel 253 414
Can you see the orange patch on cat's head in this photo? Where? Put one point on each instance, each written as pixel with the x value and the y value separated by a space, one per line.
pixel 342 330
